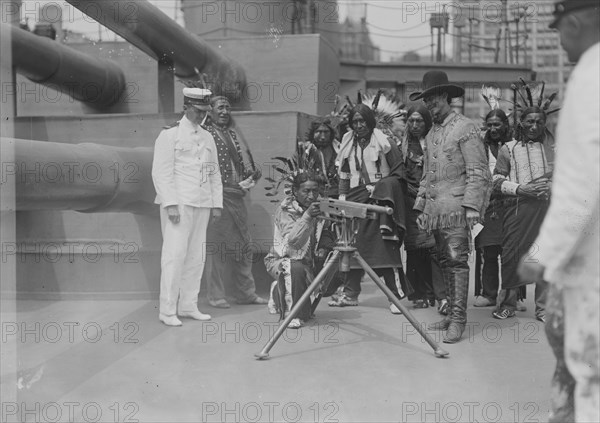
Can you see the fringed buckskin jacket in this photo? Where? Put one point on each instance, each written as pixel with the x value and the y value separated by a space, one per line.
pixel 455 174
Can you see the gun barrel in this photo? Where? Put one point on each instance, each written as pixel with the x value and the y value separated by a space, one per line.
pixel 152 31
pixel 83 177
pixel 379 209
pixel 97 82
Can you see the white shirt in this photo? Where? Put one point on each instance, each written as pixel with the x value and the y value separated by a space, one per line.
pixel 377 148
pixel 185 169
pixel 568 245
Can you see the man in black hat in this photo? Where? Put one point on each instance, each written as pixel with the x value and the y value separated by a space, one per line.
pixel 453 193
pixel 567 249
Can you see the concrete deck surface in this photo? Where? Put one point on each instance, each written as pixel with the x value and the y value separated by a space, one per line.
pixel 113 361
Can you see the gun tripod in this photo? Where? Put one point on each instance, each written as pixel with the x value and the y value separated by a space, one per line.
pixel 346 214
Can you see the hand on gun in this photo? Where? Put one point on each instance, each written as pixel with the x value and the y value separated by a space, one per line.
pixel 313 210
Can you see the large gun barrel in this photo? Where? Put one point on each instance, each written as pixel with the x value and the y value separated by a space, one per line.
pixel 149 29
pixel 95 81
pixel 82 177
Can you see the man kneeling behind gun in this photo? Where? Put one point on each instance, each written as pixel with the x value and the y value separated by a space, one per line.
pixel 303 238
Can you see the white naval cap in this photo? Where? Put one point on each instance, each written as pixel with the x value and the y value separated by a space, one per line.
pixel 197 97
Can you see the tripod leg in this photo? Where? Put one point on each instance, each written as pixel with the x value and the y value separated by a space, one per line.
pixel 439 352
pixel 329 266
pixel 324 288
pixel 315 303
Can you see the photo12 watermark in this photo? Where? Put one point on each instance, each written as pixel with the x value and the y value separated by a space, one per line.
pixel 265 12
pixel 69 92
pixel 67 172
pixel 70 411
pixel 55 12
pixel 260 332
pixel 70 332
pixel 517 332
pixel 269 411
pixel 469 411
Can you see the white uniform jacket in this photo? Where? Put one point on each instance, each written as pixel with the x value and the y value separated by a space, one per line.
pixel 185 169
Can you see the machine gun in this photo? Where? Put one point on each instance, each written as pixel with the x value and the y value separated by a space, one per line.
pixel 351 210
pixel 347 215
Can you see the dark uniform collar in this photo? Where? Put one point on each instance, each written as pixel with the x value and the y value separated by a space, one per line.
pixel 562 8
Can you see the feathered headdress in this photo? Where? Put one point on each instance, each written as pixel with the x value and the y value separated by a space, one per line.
pixel 492 96
pixel 525 97
pixel 286 170
pixel 338 117
pixel 386 111
pixel 200 82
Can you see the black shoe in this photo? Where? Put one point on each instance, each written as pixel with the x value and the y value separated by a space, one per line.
pixel 420 303
pixel 441 325
pixel 454 333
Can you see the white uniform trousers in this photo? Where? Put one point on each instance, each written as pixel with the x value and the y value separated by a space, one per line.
pixel 182 259
pixel 582 349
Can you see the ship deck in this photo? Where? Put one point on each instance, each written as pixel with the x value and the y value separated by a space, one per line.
pixel 113 361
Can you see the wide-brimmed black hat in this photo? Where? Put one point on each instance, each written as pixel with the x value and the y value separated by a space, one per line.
pixel 561 8
pixel 435 82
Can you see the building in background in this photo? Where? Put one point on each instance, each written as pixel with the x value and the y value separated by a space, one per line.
pixel 411 56
pixel 510 32
pixel 213 19
pixel 356 41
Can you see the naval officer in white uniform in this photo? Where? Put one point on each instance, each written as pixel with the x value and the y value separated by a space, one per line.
pixel 186 175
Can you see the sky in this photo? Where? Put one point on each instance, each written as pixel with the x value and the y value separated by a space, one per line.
pixel 395 26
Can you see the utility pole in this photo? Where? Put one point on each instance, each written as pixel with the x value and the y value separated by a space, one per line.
pixel 517 19
pixel 438 56
pixel 525 37
pixel 432 43
pixel 459 24
pixel 498 38
pixel 519 14
pixel 438 21
pixel 510 46
pixel 312 9
pixel 506 31
pixel 470 40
